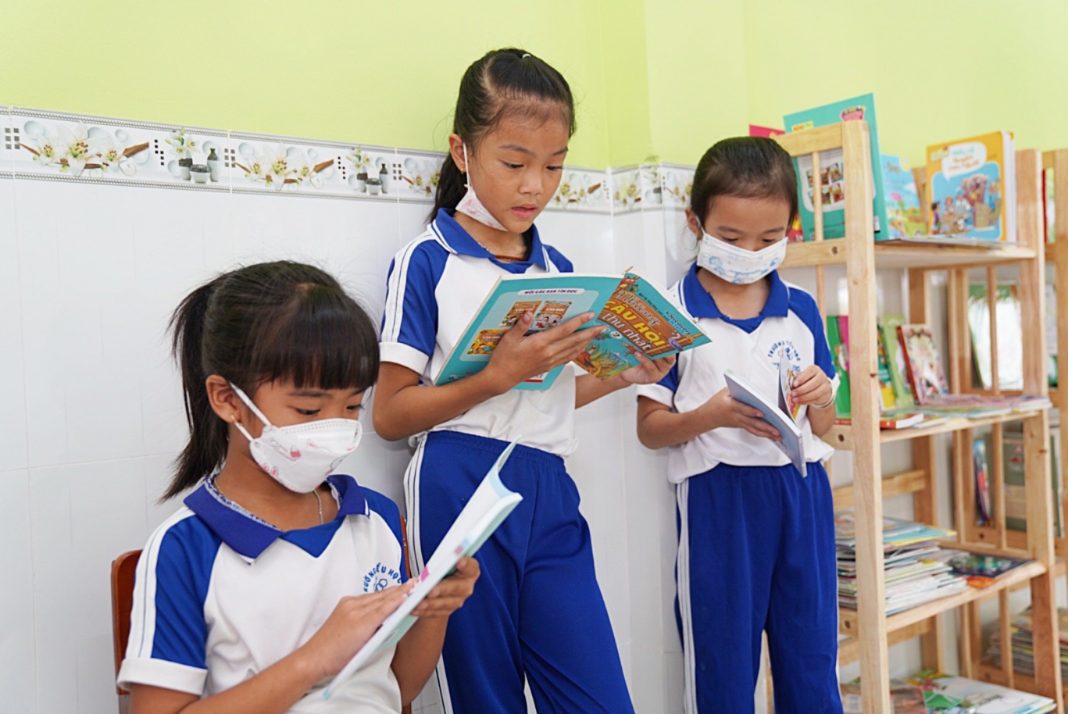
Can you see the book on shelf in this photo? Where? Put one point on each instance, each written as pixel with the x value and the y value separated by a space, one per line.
pixel 888 338
pixel 901 420
pixel 1023 643
pixel 1010 336
pixel 1051 333
pixel 981 469
pixel 971 188
pixel 905 698
pixel 779 411
pixel 831 180
pixel 839 347
pixel 944 693
pixel 484 511
pixel 1014 470
pixel 904 213
pixel 980 570
pixel 640 320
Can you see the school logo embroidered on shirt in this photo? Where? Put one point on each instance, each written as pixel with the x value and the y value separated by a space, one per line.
pixel 380 577
pixel 781 349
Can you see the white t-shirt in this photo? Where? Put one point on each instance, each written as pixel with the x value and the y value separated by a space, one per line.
pixel 221 595
pixel 436 285
pixel 789 327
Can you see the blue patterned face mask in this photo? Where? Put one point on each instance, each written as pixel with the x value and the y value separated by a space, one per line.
pixel 738 265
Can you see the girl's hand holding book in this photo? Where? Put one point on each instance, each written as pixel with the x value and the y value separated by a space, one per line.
pixel 812 387
pixel 450 594
pixel 723 410
pixel 349 626
pixel 519 356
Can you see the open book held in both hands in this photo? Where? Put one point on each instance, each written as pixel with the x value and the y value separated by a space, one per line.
pixel 487 508
pixel 640 319
pixel 780 414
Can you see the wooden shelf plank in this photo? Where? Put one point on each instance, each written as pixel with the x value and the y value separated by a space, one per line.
pixel 840 435
pixel 1021 574
pixel 892 254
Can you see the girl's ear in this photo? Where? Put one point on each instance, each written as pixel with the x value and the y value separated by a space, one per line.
pixel 224 401
pixel 456 151
pixel 693 223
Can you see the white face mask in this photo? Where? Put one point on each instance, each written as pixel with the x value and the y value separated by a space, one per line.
pixel 738 265
pixel 470 206
pixel 300 456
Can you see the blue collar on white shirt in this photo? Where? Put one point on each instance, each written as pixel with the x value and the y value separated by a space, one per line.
pixel 458 241
pixel 700 304
pixel 250 536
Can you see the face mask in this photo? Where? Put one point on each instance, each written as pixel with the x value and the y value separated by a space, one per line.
pixel 301 456
pixel 738 265
pixel 470 206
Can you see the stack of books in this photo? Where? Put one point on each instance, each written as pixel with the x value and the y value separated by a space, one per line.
pixel 1023 652
pixel 915 566
pixel 928 691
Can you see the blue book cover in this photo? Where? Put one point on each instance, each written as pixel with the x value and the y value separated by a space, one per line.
pixel 640 319
pixel 832 174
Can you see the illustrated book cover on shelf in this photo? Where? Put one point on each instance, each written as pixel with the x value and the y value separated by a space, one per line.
pixel 831 180
pixel 778 412
pixel 904 214
pixel 487 508
pixel 971 188
pixel 640 319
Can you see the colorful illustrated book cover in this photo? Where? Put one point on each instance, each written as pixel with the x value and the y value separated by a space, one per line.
pixel 895 359
pixel 923 362
pixel 971 188
pixel 832 177
pixel 840 357
pixel 795 233
pixel 904 215
pixel 640 319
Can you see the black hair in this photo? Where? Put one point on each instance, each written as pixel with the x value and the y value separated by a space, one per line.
pixel 744 167
pixel 258 324
pixel 501 83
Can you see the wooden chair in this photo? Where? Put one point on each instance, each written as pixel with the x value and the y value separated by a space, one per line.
pixel 122 586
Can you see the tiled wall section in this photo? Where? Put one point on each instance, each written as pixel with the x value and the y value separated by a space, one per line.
pixel 91 264
pixel 71 147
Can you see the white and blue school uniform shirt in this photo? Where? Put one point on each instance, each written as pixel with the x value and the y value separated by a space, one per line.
pixel 221 595
pixel 788 327
pixel 436 285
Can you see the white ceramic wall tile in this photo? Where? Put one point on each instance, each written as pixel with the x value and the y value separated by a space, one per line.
pixel 625 185
pixel 82 516
pixel 583 189
pixel 17 651
pixel 13 453
pixel 291 166
pixel 418 175
pixel 676 185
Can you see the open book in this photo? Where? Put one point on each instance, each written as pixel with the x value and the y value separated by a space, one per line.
pixel 489 505
pixel 780 414
pixel 640 319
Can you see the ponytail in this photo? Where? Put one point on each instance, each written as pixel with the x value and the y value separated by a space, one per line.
pixel 207 433
pixel 452 185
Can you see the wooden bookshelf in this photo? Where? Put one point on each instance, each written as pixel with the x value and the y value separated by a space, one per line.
pixel 870 631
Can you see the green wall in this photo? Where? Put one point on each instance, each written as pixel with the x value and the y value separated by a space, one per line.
pixel 653 79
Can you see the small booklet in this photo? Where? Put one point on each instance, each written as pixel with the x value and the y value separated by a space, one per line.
pixel 640 319
pixel 489 505
pixel 780 414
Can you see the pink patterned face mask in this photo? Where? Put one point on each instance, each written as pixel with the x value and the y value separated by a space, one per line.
pixel 470 206
pixel 300 456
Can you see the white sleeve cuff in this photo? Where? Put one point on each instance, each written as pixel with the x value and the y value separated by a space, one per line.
pixel 658 393
pixel 404 355
pixel 164 674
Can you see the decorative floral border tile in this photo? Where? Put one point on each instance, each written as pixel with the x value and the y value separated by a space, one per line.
pixel 73 147
pixel 583 189
pixel 676 183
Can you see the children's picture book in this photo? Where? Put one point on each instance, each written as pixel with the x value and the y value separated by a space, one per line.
pixel 923 363
pixel 640 319
pixel 904 215
pixel 900 420
pixel 487 508
pixel 971 188
pixel 955 695
pixel 887 395
pixel 831 180
pixel 839 347
pixel 791 443
pixel 1010 336
pixel 888 337
pixel 981 467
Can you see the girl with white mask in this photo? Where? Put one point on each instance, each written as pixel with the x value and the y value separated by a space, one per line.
pixel 275 571
pixel 756 546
